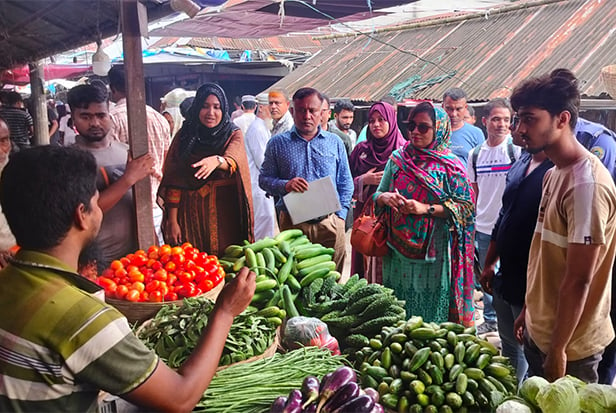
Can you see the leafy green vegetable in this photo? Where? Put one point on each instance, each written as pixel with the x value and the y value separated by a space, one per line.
pixel 514 405
pixel 530 387
pixel 559 397
pixel 597 398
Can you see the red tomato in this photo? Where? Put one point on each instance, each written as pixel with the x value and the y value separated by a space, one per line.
pixel 171 279
pixel 188 290
pixel 186 245
pixel 121 292
pixel 125 261
pixel 116 265
pixel 139 286
pixel 210 268
pixel 136 276
pixel 152 285
pixel 164 259
pixel 121 273
pixel 155 297
pixel 206 285
pixel 171 296
pixel 179 259
pixel 108 272
pixel 177 251
pixel 161 275
pixel 132 295
pixel 170 266
pixel 153 248
pixel 144 296
pixel 163 288
pixel 153 255
pixel 139 259
pixel 140 252
pixel 164 249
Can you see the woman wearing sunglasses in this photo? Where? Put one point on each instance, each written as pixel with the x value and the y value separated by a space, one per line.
pixel 428 202
pixel 367 163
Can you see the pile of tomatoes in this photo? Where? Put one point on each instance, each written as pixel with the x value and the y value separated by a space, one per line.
pixel 162 273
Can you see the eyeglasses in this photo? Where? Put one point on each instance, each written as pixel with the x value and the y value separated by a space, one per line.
pixel 421 127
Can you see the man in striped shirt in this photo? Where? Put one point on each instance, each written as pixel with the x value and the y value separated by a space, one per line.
pixel 19 121
pixel 59 342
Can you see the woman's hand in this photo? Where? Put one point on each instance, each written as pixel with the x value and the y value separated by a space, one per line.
pixel 391 199
pixel 174 233
pixel 206 167
pixel 372 178
pixel 413 207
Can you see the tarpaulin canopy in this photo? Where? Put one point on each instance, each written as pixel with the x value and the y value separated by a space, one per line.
pixel 21 75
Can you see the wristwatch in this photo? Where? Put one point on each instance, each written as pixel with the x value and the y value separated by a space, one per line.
pixel 431 209
pixel 220 160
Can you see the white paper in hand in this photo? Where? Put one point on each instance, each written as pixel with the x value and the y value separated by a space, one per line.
pixel 320 199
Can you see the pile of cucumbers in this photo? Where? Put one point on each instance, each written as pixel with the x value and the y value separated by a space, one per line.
pixel 428 367
pixel 283 265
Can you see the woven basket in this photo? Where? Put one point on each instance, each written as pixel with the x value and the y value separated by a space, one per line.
pixel 139 312
pixel 608 75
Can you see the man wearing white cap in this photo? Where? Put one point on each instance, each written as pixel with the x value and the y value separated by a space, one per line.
pixel 255 140
pixel 249 104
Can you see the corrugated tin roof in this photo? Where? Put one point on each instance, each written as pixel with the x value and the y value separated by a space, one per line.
pixel 485 54
pixel 303 44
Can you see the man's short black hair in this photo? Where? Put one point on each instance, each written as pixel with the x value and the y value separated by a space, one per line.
pixel 306 92
pixel 343 104
pixel 326 99
pixel 249 104
pixel 554 92
pixel 117 79
pixel 455 93
pixel 82 96
pixel 40 190
pixel 13 98
pixel 496 103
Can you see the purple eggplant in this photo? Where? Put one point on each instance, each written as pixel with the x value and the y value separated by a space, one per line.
pixel 377 409
pixel 341 396
pixel 278 405
pixel 372 393
pixel 324 381
pixel 294 402
pixel 338 379
pixel 360 404
pixel 312 408
pixel 310 390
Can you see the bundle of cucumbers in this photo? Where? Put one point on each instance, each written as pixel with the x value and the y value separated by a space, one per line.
pixel 428 367
pixel 353 311
pixel 283 265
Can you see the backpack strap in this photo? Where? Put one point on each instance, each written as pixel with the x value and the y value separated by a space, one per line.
pixel 511 151
pixel 474 156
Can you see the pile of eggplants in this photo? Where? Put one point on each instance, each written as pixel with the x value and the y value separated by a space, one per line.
pixel 338 392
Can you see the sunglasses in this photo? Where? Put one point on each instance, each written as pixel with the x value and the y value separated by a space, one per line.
pixel 421 127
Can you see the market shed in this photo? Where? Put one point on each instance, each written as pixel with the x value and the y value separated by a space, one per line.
pixel 485 53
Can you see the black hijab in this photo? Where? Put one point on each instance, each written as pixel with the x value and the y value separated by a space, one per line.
pixel 195 136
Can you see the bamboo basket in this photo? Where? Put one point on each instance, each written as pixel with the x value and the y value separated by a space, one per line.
pixel 139 312
pixel 608 75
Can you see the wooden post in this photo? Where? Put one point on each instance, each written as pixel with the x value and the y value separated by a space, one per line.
pixel 137 124
pixel 39 104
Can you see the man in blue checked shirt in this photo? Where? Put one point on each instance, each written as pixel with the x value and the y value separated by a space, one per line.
pixel 304 154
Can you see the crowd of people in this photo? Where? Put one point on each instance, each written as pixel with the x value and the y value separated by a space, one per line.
pixel 525 214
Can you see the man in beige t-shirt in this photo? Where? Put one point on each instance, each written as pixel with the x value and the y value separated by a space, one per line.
pixel 566 317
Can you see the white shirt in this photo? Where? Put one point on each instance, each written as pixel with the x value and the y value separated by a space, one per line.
pixel 244 121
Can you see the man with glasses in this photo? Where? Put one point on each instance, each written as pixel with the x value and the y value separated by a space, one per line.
pixel 565 324
pixel 487 169
pixel 464 136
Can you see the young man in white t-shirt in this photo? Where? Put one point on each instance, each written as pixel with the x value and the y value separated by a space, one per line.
pixel 487 168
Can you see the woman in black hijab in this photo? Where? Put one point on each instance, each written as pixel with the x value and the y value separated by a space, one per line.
pixel 206 190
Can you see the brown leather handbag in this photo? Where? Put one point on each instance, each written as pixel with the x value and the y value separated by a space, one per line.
pixel 369 233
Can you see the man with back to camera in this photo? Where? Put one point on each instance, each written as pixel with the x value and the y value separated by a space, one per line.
pixel 19 121
pixel 302 155
pixel 565 324
pixel 117 173
pixel 256 139
pixel 488 164
pixel 464 136
pixel 249 106
pixel 62 343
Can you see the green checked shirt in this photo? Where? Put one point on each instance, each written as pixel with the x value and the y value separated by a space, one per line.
pixel 59 342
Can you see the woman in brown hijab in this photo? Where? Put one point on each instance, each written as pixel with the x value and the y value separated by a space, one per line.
pixel 206 190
